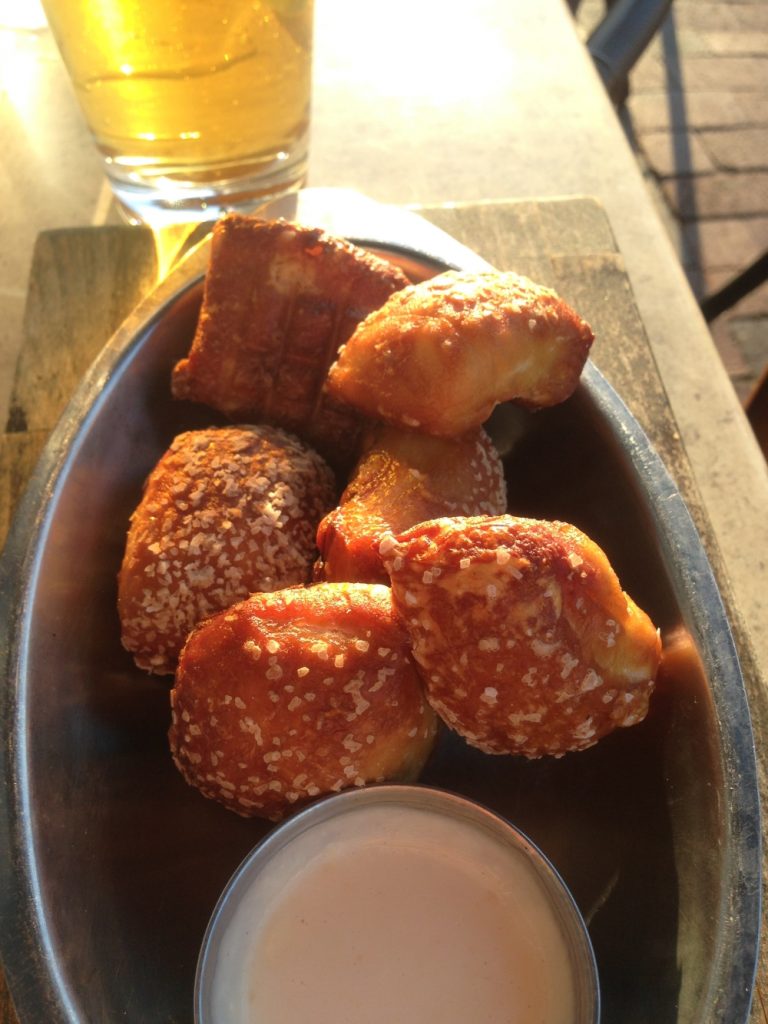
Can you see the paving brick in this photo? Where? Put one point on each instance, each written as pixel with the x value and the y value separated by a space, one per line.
pixel 652 72
pixel 683 41
pixel 757 106
pixel 732 74
pixel 674 41
pixel 739 149
pixel 740 370
pixel 740 44
pixel 718 195
pixel 675 154
pixel 727 15
pixel 662 110
pixel 704 16
pixel 724 243
pixel 751 17
pixel 688 41
pixel 697 118
pixel 750 336
pixel 681 5
pixel 733 360
pixel 754 304
pixel 706 281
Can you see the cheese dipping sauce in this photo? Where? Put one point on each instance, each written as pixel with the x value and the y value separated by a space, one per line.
pixel 392 911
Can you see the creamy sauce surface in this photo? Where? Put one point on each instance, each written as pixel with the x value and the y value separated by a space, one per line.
pixel 394 915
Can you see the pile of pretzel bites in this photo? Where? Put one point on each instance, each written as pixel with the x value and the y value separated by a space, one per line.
pixel 335 573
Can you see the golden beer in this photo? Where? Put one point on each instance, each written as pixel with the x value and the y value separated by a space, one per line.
pixel 191 92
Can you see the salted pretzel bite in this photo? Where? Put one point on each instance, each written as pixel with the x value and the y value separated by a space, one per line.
pixel 439 355
pixel 404 478
pixel 526 641
pixel 279 300
pixel 225 512
pixel 298 693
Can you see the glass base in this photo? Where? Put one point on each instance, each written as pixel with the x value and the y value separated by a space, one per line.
pixel 161 201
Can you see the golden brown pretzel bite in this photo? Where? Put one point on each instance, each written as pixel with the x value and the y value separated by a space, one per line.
pixel 290 695
pixel 405 478
pixel 279 301
pixel 439 355
pixel 526 641
pixel 225 512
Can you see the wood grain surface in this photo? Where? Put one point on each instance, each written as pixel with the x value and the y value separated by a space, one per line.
pixel 85 281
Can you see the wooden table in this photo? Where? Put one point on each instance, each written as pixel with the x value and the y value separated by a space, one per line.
pixel 84 282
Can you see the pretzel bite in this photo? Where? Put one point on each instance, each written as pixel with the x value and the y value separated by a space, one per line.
pixel 441 354
pixel 526 641
pixel 303 692
pixel 225 512
pixel 402 479
pixel 279 300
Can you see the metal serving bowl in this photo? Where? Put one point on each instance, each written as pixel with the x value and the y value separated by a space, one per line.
pixel 111 865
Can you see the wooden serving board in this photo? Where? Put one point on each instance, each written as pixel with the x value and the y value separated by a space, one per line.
pixel 85 281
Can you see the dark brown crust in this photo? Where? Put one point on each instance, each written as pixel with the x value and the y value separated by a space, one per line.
pixel 225 512
pixel 406 478
pixel 279 301
pixel 526 642
pixel 299 693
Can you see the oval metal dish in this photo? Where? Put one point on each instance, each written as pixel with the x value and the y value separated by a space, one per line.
pixel 111 865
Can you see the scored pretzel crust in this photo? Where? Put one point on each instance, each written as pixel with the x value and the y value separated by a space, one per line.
pixel 279 300
pixel 441 354
pixel 291 695
pixel 402 479
pixel 526 641
pixel 226 511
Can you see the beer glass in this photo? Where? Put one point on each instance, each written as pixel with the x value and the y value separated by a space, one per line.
pixel 197 106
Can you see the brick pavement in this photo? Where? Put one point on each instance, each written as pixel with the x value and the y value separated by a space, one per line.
pixel 697 117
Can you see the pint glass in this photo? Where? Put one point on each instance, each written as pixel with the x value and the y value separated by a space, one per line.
pixel 194 104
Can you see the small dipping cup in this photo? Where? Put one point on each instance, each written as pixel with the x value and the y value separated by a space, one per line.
pixel 396 903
